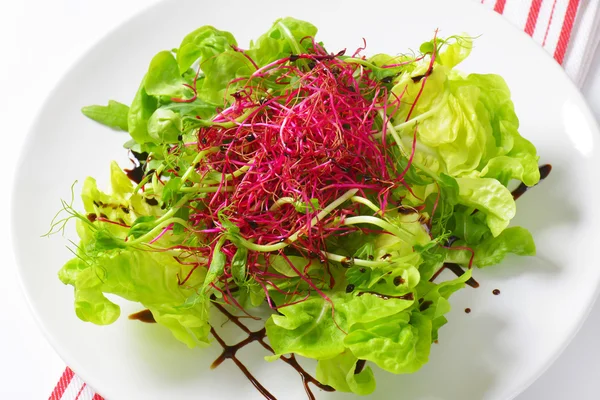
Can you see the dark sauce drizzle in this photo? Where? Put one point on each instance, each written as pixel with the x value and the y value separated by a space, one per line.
pixel 458 271
pixel 259 336
pixel 136 174
pixel 230 351
pixel 408 296
pixel 360 365
pixel 425 304
pixel 144 316
pixel 522 188
pixel 417 79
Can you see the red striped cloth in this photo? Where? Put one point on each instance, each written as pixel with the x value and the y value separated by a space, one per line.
pixel 567 29
pixel 71 387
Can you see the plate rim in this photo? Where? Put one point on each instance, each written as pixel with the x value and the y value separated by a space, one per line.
pixel 63 77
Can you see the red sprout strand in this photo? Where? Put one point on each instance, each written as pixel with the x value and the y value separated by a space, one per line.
pixel 188 276
pixel 311 142
pixel 470 250
pixel 192 87
pixel 411 157
pixel 424 80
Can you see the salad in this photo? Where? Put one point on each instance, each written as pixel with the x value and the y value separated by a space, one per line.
pixel 327 187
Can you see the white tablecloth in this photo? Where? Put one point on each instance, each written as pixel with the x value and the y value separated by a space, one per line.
pixel 40 39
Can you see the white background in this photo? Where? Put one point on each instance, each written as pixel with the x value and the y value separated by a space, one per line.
pixel 39 40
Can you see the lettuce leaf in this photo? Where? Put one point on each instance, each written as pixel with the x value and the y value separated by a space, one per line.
pixel 466 124
pixel 150 279
pixel 202 44
pixel 311 329
pixel 364 295
pixel 163 77
pixel 284 38
pixel 339 373
pixel 113 115
pixel 491 198
pixel 492 250
pixel 399 344
pixel 104 264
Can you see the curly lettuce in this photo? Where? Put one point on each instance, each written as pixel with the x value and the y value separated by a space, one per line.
pixel 368 296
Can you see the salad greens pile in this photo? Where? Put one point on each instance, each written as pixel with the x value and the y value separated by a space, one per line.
pixel 328 187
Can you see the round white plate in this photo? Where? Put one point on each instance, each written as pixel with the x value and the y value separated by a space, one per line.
pixel 492 353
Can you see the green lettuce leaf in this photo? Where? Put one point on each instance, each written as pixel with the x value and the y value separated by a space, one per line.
pixel 139 276
pixel 308 328
pixel 338 372
pixel 142 107
pixel 468 226
pixel 219 71
pixel 202 44
pixel 114 115
pixel 455 50
pixel 490 197
pixel 163 77
pixel 467 125
pixel 399 343
pixel 284 38
pixel 165 126
pixel 105 264
pixel 492 250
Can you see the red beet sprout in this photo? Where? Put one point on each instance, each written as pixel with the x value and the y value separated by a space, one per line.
pixel 278 158
pixel 424 80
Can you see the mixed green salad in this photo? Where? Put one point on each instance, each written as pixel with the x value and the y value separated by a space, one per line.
pixel 327 187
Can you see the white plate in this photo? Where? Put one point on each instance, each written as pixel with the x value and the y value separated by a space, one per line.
pixel 492 353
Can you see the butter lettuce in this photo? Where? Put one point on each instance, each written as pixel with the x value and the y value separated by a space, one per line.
pixel 340 373
pixel 492 250
pixel 140 277
pixel 366 296
pixel 106 265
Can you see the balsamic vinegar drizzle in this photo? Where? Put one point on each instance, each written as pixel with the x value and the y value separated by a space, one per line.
pixel 144 316
pixel 259 336
pixel 136 174
pixel 360 365
pixel 230 351
pixel 458 271
pixel 522 188
pixel 408 296
pixel 424 304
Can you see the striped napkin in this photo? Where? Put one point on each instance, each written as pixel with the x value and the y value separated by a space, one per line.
pixel 72 387
pixel 568 29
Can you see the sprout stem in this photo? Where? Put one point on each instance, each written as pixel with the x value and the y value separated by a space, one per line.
pixel 278 246
pixel 400 232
